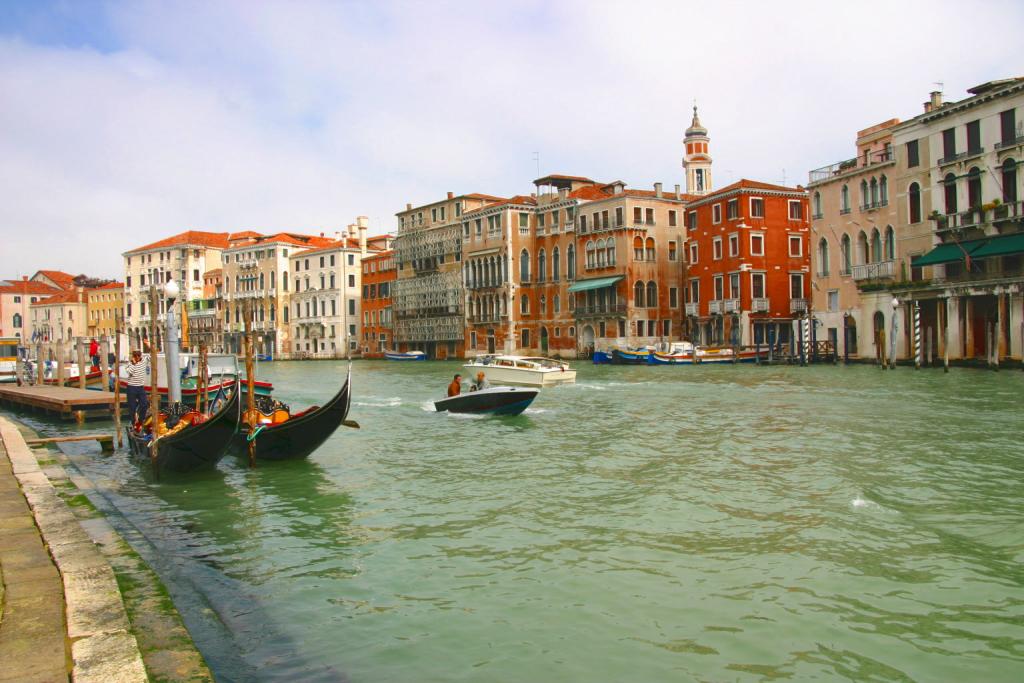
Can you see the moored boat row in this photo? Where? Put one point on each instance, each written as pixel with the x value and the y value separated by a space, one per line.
pixel 679 353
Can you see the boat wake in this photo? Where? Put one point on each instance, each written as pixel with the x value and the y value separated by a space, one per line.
pixel 535 411
pixel 373 402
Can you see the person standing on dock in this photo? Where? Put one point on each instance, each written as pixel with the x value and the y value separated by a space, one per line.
pixel 137 371
pixel 94 352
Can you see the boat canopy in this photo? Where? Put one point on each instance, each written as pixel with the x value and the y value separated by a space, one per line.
pixel 594 283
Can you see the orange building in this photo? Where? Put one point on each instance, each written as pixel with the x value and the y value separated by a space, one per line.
pixel 379 275
pixel 748 266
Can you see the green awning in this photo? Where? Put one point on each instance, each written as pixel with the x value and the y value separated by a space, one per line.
pixel 1004 245
pixel 594 283
pixel 948 253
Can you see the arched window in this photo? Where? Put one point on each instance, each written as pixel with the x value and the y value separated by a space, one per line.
pixel 284 281
pixel 570 262
pixel 862 248
pixel 543 304
pixel 949 190
pixel 817 203
pixel 262 280
pixel 526 339
pixel 542 266
pixel 865 198
pixel 650 249
pixel 823 256
pixel 1009 172
pixel 844 198
pixel 524 266
pixel 876 246
pixel 890 244
pixel 914 197
pixel 16 321
pixel 591 260
pixel 524 304
pixel 557 303
pixel 555 265
pixel 638 294
pixel 874 192
pixel 973 188
pixel 846 253
pixel 601 262
pixel 652 294
pixel 883 191
pixel 610 248
pixel 638 248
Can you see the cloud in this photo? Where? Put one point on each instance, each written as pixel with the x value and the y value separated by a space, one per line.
pixel 156 118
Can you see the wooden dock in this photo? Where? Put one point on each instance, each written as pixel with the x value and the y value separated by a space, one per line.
pixel 66 402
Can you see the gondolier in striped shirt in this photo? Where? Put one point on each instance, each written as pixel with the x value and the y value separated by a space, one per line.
pixel 137 371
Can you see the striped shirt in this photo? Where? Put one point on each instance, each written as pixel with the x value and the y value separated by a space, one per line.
pixel 137 373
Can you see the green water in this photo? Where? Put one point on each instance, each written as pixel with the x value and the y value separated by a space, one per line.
pixel 646 524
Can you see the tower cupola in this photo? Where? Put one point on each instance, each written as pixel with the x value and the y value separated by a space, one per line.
pixel 697 159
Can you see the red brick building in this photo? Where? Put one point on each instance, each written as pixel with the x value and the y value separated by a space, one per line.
pixel 748 264
pixel 379 275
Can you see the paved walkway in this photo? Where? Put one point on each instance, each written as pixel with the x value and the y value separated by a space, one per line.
pixel 62 616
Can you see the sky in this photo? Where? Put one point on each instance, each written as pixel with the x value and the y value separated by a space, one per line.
pixel 125 122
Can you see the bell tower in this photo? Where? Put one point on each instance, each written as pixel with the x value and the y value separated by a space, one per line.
pixel 696 159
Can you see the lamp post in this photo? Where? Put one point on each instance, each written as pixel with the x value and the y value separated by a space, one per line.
pixel 895 327
pixel 171 347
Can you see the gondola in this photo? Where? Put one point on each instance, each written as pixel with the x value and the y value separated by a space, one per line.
pixel 492 401
pixel 283 435
pixel 195 446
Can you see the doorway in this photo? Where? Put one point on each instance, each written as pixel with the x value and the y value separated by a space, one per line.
pixel 544 341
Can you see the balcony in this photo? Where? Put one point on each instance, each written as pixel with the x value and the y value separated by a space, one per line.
pixel 759 305
pixel 715 306
pixel 692 309
pixel 1012 142
pixel 874 271
pixel 871 206
pixel 850 166
pixel 732 305
pixel 593 310
pixel 846 211
pixel 798 305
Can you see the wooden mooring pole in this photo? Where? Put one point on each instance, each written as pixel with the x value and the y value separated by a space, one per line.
pixel 80 353
pixel 117 377
pixel 154 374
pixel 60 363
pixel 250 403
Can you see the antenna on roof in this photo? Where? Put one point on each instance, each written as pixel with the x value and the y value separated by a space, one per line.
pixel 536 158
pixel 940 84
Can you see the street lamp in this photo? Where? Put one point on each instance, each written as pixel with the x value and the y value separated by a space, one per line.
pixel 171 292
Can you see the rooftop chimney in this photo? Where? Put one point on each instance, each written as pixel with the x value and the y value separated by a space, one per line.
pixel 657 189
pixel 936 100
pixel 352 230
pixel 563 193
pixel 361 221
pixel 451 195
pixel 677 192
pixel 408 207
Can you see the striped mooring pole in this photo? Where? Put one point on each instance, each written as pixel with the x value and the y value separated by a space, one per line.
pixel 805 356
pixel 918 350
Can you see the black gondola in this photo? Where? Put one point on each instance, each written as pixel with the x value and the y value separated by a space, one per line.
pixel 302 433
pixel 196 446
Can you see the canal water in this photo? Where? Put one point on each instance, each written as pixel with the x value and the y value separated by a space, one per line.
pixel 645 524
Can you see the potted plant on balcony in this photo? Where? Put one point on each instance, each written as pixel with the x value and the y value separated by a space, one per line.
pixel 999 210
pixel 941 221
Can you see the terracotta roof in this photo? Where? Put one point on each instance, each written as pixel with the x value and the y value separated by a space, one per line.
pixel 480 195
pixel 213 273
pixel 558 176
pixel 518 199
pixel 590 192
pixel 380 255
pixel 347 243
pixel 63 280
pixel 245 234
pixel 28 287
pixel 72 297
pixel 109 285
pixel 214 240
pixel 753 185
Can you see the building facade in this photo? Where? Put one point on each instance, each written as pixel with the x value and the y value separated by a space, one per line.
pixel 855 243
pixel 61 317
pixel 183 258
pixel 429 296
pixel 748 268
pixel 16 299
pixel 256 278
pixel 379 275
pixel 104 304
pixel 206 314
pixel 960 206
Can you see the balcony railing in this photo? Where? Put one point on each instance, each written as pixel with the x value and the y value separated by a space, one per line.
pixel 715 306
pixel 619 307
pixel 692 309
pixel 952 158
pixel 1010 211
pixel 1012 142
pixel 759 305
pixel 874 271
pixel 732 305
pixel 844 212
pixel 850 166
pixel 874 205
pixel 797 305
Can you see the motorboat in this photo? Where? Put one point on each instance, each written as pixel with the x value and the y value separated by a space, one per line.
pixel 629 356
pixel 530 371
pixel 405 355
pixel 9 358
pixel 281 434
pixel 492 401
pixel 188 440
pixel 222 371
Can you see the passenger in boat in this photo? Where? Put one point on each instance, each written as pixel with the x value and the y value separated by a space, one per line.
pixel 137 370
pixel 481 382
pixel 455 388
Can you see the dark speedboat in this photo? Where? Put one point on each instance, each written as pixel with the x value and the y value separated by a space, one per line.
pixel 283 435
pixel 493 401
pixel 193 440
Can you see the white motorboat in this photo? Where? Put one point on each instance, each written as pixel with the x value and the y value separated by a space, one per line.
pixel 530 371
